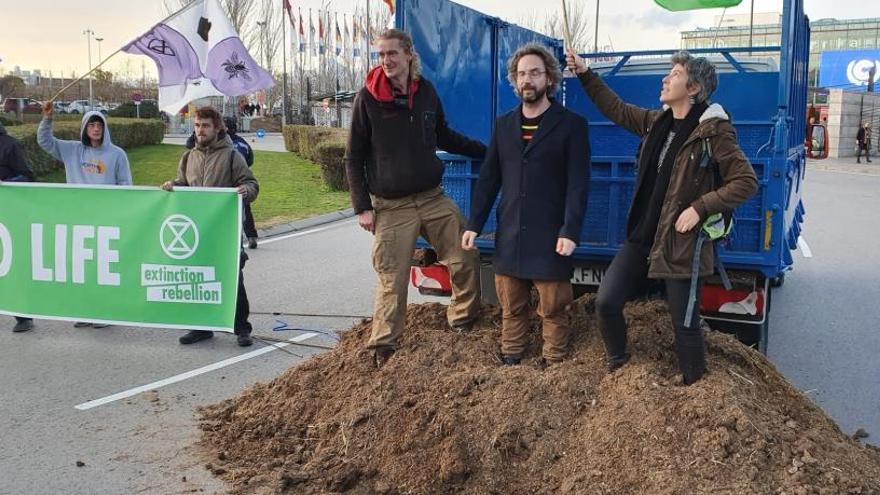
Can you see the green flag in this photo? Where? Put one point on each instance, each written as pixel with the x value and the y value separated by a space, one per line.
pixel 123 255
pixel 677 5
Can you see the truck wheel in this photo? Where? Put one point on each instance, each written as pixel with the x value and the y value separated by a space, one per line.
pixel 777 281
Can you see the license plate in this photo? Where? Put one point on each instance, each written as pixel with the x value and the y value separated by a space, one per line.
pixel 588 275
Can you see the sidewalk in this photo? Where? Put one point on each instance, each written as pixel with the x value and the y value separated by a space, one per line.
pixel 273 141
pixel 845 165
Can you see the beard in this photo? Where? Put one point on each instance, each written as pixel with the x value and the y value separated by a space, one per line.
pixel 534 95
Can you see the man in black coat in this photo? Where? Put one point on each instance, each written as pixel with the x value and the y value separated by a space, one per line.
pixel 540 160
pixel 14 168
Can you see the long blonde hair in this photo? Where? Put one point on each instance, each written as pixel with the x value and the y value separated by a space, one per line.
pixel 406 43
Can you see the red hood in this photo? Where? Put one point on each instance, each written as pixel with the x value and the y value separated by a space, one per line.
pixel 379 86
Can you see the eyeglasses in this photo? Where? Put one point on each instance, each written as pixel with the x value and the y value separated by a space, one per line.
pixel 532 74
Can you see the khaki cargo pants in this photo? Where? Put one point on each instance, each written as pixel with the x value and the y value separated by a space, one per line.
pixel 399 222
pixel 553 298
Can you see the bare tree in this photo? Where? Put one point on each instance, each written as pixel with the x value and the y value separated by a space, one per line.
pixel 553 24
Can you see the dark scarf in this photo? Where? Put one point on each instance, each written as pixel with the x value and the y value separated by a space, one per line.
pixel 657 137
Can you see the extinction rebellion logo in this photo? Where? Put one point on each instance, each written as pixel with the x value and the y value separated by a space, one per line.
pixel 179 238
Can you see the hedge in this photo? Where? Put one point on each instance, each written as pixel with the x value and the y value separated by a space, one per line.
pixel 8 120
pixel 322 145
pixel 303 139
pixel 329 155
pixel 148 110
pixel 125 133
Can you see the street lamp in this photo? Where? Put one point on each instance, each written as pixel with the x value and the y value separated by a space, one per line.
pixel 99 40
pixel 89 34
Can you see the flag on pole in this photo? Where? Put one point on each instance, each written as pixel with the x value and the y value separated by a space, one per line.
pixel 677 5
pixel 356 39
pixel 312 44
pixel 302 33
pixel 198 54
pixel 338 34
pixel 287 7
pixel 320 33
pixel 392 4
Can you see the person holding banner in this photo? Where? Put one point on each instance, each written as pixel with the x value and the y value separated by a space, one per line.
pixel 394 175
pixel 214 162
pixel 93 159
pixel 241 145
pixel 690 168
pixel 15 168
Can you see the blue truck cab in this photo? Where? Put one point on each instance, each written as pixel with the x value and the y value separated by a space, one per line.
pixel 465 53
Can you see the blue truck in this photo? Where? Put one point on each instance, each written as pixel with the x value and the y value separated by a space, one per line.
pixel 464 53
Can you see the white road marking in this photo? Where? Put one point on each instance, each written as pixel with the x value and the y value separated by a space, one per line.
pixel 190 374
pixel 805 249
pixel 306 232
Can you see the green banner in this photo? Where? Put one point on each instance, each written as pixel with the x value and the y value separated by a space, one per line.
pixel 678 5
pixel 136 256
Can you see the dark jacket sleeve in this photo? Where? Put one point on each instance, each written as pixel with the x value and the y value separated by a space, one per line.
pixel 453 142
pixel 578 156
pixel 737 174
pixel 357 152
pixel 486 189
pixel 631 117
pixel 242 176
pixel 860 136
pixel 18 162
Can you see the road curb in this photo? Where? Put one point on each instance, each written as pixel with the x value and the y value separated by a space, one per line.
pixel 306 223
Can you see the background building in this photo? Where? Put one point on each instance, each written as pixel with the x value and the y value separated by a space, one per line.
pixel 826 35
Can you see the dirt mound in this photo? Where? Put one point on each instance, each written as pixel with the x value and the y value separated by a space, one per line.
pixel 444 417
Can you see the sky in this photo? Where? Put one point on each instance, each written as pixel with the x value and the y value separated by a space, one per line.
pixel 56 42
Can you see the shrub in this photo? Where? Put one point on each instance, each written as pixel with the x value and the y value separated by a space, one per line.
pixel 149 110
pixel 329 155
pixel 8 120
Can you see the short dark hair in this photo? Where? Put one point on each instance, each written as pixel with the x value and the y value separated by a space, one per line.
pixel 700 73
pixel 206 113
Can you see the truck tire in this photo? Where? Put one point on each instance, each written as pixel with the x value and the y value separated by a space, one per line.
pixel 777 281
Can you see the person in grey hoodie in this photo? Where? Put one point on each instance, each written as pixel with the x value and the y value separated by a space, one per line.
pixel 94 159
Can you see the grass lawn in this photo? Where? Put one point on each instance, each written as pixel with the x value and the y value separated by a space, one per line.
pixel 290 186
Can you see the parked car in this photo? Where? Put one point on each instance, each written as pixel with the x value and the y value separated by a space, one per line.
pixel 82 106
pixel 62 107
pixel 28 105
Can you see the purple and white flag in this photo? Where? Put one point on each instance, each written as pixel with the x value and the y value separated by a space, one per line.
pixel 199 54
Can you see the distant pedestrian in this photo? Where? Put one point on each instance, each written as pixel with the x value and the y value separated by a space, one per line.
pixel 863 139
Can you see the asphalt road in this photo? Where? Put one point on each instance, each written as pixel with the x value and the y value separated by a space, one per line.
pixel 823 337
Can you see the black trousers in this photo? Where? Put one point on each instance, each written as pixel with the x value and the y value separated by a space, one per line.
pixel 250 228
pixel 628 273
pixel 867 150
pixel 242 305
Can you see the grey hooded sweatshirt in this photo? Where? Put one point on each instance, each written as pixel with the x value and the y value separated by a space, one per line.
pixel 106 164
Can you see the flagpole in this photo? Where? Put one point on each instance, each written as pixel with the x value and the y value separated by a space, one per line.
pixel 283 65
pixel 175 14
pixel 367 41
